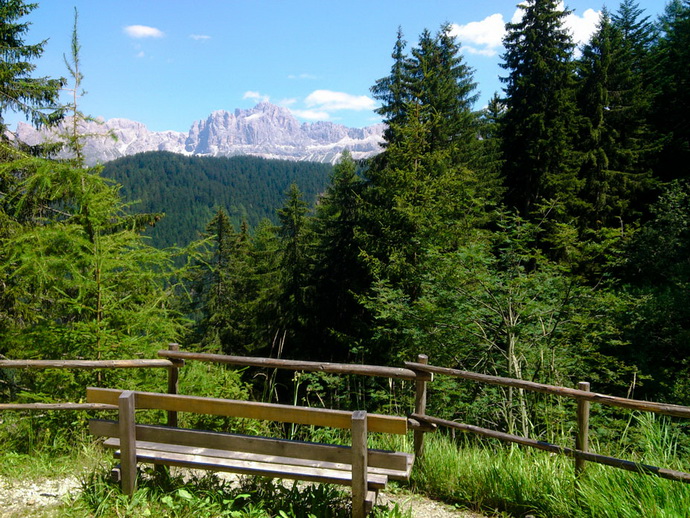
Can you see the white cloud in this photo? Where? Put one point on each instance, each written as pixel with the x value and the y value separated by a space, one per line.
pixel 327 100
pixel 582 27
pixel 518 14
pixel 312 115
pixel 143 31
pixel 484 37
pixel 287 102
pixel 140 54
pixel 200 37
pixel 256 96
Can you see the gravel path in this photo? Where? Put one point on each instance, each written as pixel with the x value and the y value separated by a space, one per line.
pixel 24 499
pixel 423 507
pixel 21 498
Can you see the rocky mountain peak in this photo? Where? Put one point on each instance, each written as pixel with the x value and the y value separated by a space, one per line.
pixel 265 130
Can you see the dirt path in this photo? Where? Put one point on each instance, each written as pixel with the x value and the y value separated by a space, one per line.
pixel 422 507
pixel 31 498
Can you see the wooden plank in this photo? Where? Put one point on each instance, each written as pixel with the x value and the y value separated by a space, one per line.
pixel 287 471
pixel 57 406
pixel 86 364
pixel 398 465
pixel 231 456
pixel 251 410
pixel 308 366
pixel 541 445
pixel 359 464
pixel 127 435
pixel 604 399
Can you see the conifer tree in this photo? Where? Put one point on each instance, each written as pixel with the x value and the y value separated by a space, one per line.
pixel 672 107
pixel 339 275
pixel 540 110
pixel 20 92
pixel 294 237
pixel 392 91
pixel 614 99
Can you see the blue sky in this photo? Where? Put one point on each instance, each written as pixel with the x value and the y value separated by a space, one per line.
pixel 170 63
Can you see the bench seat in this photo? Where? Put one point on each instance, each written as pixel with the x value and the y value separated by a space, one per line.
pixel 263 451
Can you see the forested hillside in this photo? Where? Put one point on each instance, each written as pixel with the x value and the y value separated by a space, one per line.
pixel 189 190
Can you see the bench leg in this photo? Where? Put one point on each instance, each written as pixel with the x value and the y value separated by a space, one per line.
pixel 128 447
pixel 359 464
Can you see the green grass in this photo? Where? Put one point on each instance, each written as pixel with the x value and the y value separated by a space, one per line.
pixel 509 480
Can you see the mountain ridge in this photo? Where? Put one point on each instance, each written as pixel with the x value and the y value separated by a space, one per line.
pixel 266 130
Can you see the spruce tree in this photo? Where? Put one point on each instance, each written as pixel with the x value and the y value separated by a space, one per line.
pixel 672 107
pixel 295 236
pixel 393 91
pixel 614 99
pixel 20 92
pixel 540 110
pixel 339 275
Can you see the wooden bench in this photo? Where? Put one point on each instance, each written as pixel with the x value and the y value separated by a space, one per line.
pixel 365 470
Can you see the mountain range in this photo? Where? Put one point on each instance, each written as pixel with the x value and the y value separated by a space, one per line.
pixel 267 130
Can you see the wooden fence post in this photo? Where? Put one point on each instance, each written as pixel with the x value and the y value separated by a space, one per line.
pixel 420 407
pixel 173 378
pixel 582 440
pixel 359 463
pixel 128 446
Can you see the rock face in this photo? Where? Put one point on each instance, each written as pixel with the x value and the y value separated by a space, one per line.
pixel 266 130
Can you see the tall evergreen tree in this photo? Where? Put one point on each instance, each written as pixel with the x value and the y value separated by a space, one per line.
pixel 540 110
pixel 672 107
pixel 339 274
pixel 20 92
pixel 423 194
pixel 614 98
pixel 441 84
pixel 393 91
pixel 294 235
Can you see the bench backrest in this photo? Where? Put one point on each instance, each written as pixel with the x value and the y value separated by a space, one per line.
pixel 251 410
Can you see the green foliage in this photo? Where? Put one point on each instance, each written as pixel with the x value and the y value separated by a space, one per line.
pixel 656 274
pixel 336 319
pixel 223 289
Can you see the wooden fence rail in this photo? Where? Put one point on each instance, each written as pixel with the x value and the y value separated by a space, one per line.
pixel 604 399
pixel 420 372
pixel 173 367
pixel 86 364
pixel 299 365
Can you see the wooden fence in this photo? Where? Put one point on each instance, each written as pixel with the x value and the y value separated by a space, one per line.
pixel 419 372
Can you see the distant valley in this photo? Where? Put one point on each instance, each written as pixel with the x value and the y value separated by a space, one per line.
pixel 266 131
